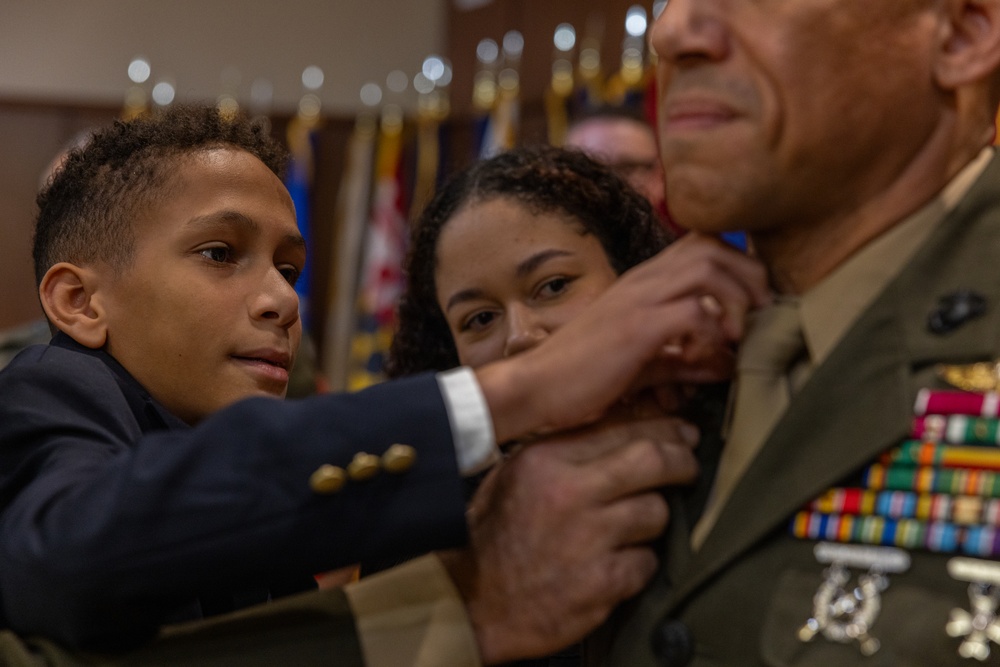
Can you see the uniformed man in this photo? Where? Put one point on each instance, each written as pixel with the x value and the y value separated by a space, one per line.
pixel 852 139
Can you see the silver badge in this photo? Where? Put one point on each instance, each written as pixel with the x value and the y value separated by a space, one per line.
pixel 979 626
pixel 846 614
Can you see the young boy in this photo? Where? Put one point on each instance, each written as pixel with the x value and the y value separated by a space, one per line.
pixel 147 476
pixel 166 252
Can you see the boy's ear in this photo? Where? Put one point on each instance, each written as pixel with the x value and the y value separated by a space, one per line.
pixel 69 296
pixel 970 50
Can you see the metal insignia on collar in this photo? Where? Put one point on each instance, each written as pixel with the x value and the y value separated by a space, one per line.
pixel 980 377
pixel 980 626
pixel 843 613
pixel 955 309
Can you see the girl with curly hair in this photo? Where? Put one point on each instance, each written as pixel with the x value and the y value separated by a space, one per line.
pixel 511 248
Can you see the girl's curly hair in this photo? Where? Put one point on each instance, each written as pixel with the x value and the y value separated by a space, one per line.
pixel 543 179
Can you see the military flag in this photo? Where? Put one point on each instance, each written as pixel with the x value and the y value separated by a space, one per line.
pixel 385 247
pixel 352 211
pixel 301 138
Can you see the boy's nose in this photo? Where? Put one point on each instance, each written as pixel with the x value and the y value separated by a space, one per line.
pixel 277 301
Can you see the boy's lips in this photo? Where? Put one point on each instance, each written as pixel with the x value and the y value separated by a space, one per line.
pixel 272 357
pixel 273 364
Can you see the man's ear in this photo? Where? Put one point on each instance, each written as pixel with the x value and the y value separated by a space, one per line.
pixel 970 49
pixel 69 296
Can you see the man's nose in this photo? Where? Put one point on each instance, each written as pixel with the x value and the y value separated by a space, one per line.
pixel 688 30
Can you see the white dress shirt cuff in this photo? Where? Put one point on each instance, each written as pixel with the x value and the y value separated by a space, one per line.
pixel 471 425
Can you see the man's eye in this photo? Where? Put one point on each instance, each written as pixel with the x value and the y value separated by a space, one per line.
pixel 219 254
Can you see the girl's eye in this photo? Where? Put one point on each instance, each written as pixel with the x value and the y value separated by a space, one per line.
pixel 554 287
pixel 479 321
pixel 291 274
pixel 220 254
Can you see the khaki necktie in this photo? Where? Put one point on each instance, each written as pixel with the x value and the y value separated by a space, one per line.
pixel 774 341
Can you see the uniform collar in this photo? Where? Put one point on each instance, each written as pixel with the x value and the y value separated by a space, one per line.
pixel 829 309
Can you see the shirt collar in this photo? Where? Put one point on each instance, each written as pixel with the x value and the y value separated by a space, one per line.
pixel 829 309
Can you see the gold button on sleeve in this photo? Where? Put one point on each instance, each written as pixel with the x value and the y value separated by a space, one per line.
pixel 327 479
pixel 364 466
pixel 399 458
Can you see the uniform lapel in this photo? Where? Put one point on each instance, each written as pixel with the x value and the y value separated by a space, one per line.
pixel 859 401
pixel 841 414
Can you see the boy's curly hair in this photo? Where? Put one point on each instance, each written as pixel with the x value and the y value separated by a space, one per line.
pixel 544 179
pixel 86 212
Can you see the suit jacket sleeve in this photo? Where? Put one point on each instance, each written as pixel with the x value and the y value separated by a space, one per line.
pixel 103 528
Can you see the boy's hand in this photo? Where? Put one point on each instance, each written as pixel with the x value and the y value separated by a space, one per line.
pixel 559 533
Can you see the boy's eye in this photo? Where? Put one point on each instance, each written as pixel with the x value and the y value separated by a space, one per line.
pixel 219 254
pixel 291 274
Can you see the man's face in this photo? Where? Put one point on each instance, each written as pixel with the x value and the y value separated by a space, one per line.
pixel 206 314
pixel 775 113
pixel 627 146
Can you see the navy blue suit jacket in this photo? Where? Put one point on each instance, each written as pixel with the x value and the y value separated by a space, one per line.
pixel 114 514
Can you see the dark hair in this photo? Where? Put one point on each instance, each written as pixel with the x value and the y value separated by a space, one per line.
pixel 544 179
pixel 86 212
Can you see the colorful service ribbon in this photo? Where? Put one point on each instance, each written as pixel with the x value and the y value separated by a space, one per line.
pixel 915 452
pixel 939 491
pixel 957 429
pixel 936 536
pixel 925 479
pixel 961 510
pixel 948 402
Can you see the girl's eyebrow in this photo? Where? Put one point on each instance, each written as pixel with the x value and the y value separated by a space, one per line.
pixel 539 258
pixel 463 295
pixel 523 269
